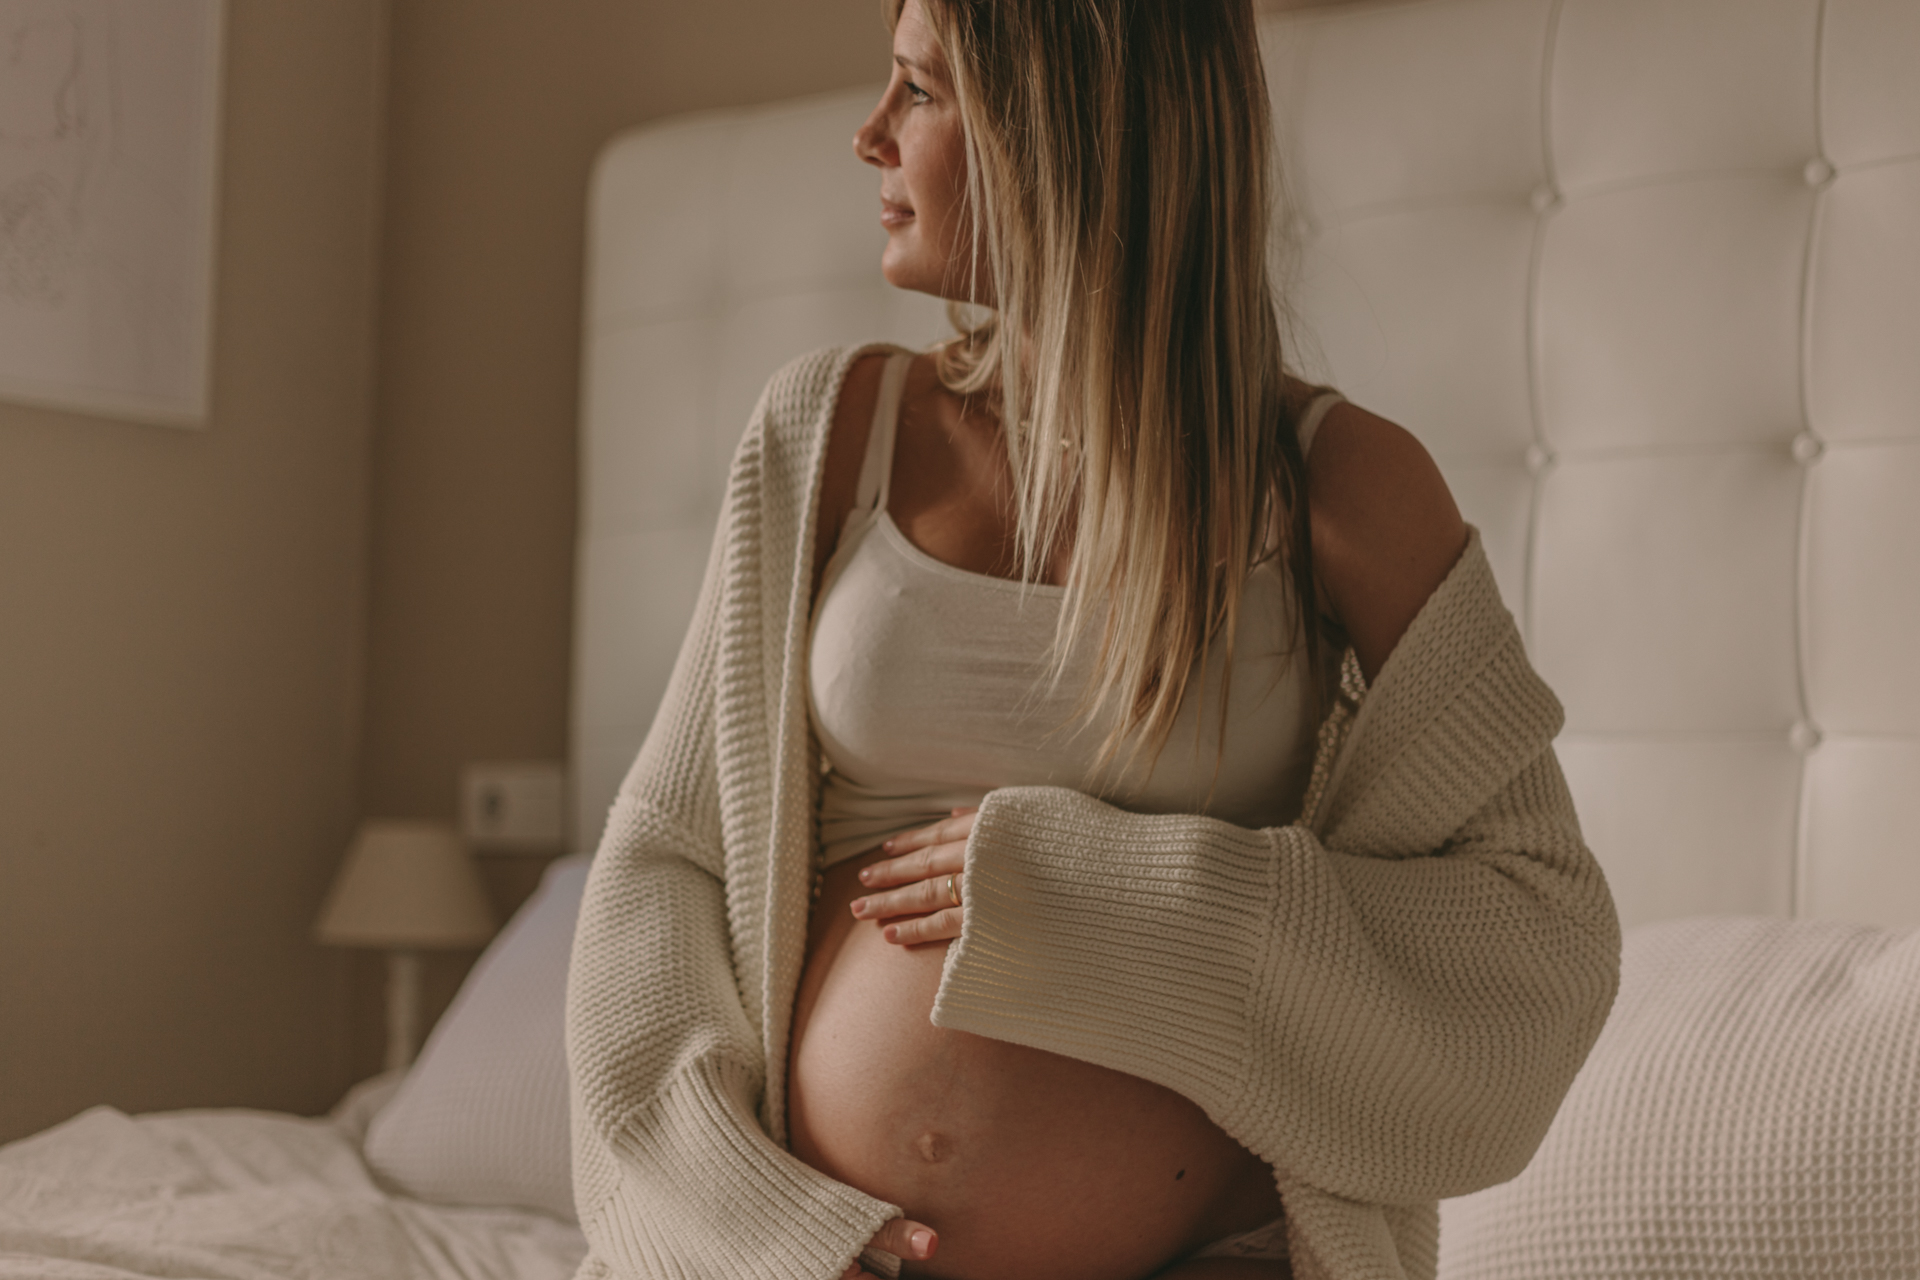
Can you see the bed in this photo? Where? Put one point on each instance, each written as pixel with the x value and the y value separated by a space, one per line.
pixel 244 1195
pixel 1645 277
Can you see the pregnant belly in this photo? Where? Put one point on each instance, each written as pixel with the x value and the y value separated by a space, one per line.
pixel 1027 1163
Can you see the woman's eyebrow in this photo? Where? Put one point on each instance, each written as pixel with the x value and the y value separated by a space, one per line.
pixel 921 68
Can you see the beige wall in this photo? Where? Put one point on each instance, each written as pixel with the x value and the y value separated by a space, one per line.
pixel 181 631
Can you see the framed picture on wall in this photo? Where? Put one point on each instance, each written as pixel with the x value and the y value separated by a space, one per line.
pixel 109 157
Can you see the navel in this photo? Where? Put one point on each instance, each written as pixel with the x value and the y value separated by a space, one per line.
pixel 934 1147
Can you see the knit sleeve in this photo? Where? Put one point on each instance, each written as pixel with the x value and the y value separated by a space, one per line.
pixel 674 1173
pixel 1387 1004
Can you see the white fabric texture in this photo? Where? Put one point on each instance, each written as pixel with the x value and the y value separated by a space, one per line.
pixel 930 686
pixel 1752 1109
pixel 241 1195
pixel 355 1111
pixel 1388 1004
pixel 481 1118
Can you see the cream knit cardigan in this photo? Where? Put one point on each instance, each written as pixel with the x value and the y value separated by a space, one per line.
pixel 1386 1002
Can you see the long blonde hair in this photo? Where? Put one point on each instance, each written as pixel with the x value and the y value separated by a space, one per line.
pixel 1120 184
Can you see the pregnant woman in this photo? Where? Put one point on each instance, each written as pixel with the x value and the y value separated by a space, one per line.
pixel 1102 823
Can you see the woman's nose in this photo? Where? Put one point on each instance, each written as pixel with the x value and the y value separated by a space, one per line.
pixel 872 143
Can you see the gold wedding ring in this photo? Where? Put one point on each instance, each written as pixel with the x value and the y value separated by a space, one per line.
pixel 953 892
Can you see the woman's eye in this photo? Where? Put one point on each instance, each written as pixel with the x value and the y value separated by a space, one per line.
pixel 915 92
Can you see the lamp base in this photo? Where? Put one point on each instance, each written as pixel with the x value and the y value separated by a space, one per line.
pixel 403 1007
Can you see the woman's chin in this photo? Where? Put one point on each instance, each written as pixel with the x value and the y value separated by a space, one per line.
pixel 904 276
pixel 913 272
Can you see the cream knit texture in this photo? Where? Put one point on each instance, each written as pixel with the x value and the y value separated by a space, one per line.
pixel 1387 1002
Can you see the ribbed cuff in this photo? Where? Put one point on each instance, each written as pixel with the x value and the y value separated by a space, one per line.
pixel 720 1201
pixel 1125 940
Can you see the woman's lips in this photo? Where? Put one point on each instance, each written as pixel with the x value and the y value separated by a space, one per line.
pixel 892 215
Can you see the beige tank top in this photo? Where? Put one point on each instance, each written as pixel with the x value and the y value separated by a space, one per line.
pixel 929 686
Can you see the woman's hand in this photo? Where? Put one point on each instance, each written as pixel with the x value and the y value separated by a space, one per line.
pixel 923 878
pixel 904 1239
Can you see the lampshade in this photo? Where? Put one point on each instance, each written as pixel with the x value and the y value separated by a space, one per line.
pixel 406 885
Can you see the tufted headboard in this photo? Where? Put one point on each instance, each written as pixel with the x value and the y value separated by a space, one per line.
pixel 1644 275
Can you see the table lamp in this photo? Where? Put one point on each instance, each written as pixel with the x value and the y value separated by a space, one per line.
pixel 405 887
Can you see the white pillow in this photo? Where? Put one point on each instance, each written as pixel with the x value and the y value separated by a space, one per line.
pixel 1751 1109
pixel 482 1118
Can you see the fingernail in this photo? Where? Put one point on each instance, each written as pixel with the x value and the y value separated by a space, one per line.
pixel 887 845
pixel 890 933
pixel 859 906
pixel 866 875
pixel 922 1244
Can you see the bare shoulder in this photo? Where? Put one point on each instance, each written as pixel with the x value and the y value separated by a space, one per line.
pixel 1386 530
pixel 846 448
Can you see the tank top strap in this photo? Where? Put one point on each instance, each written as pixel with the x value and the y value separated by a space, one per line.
pixel 1316 414
pixel 876 472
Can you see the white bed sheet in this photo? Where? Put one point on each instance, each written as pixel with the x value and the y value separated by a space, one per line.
pixel 243 1195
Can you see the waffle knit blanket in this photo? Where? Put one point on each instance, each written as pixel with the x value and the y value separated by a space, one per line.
pixel 1387 1001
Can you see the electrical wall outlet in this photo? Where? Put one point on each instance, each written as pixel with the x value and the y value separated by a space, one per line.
pixel 514 807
